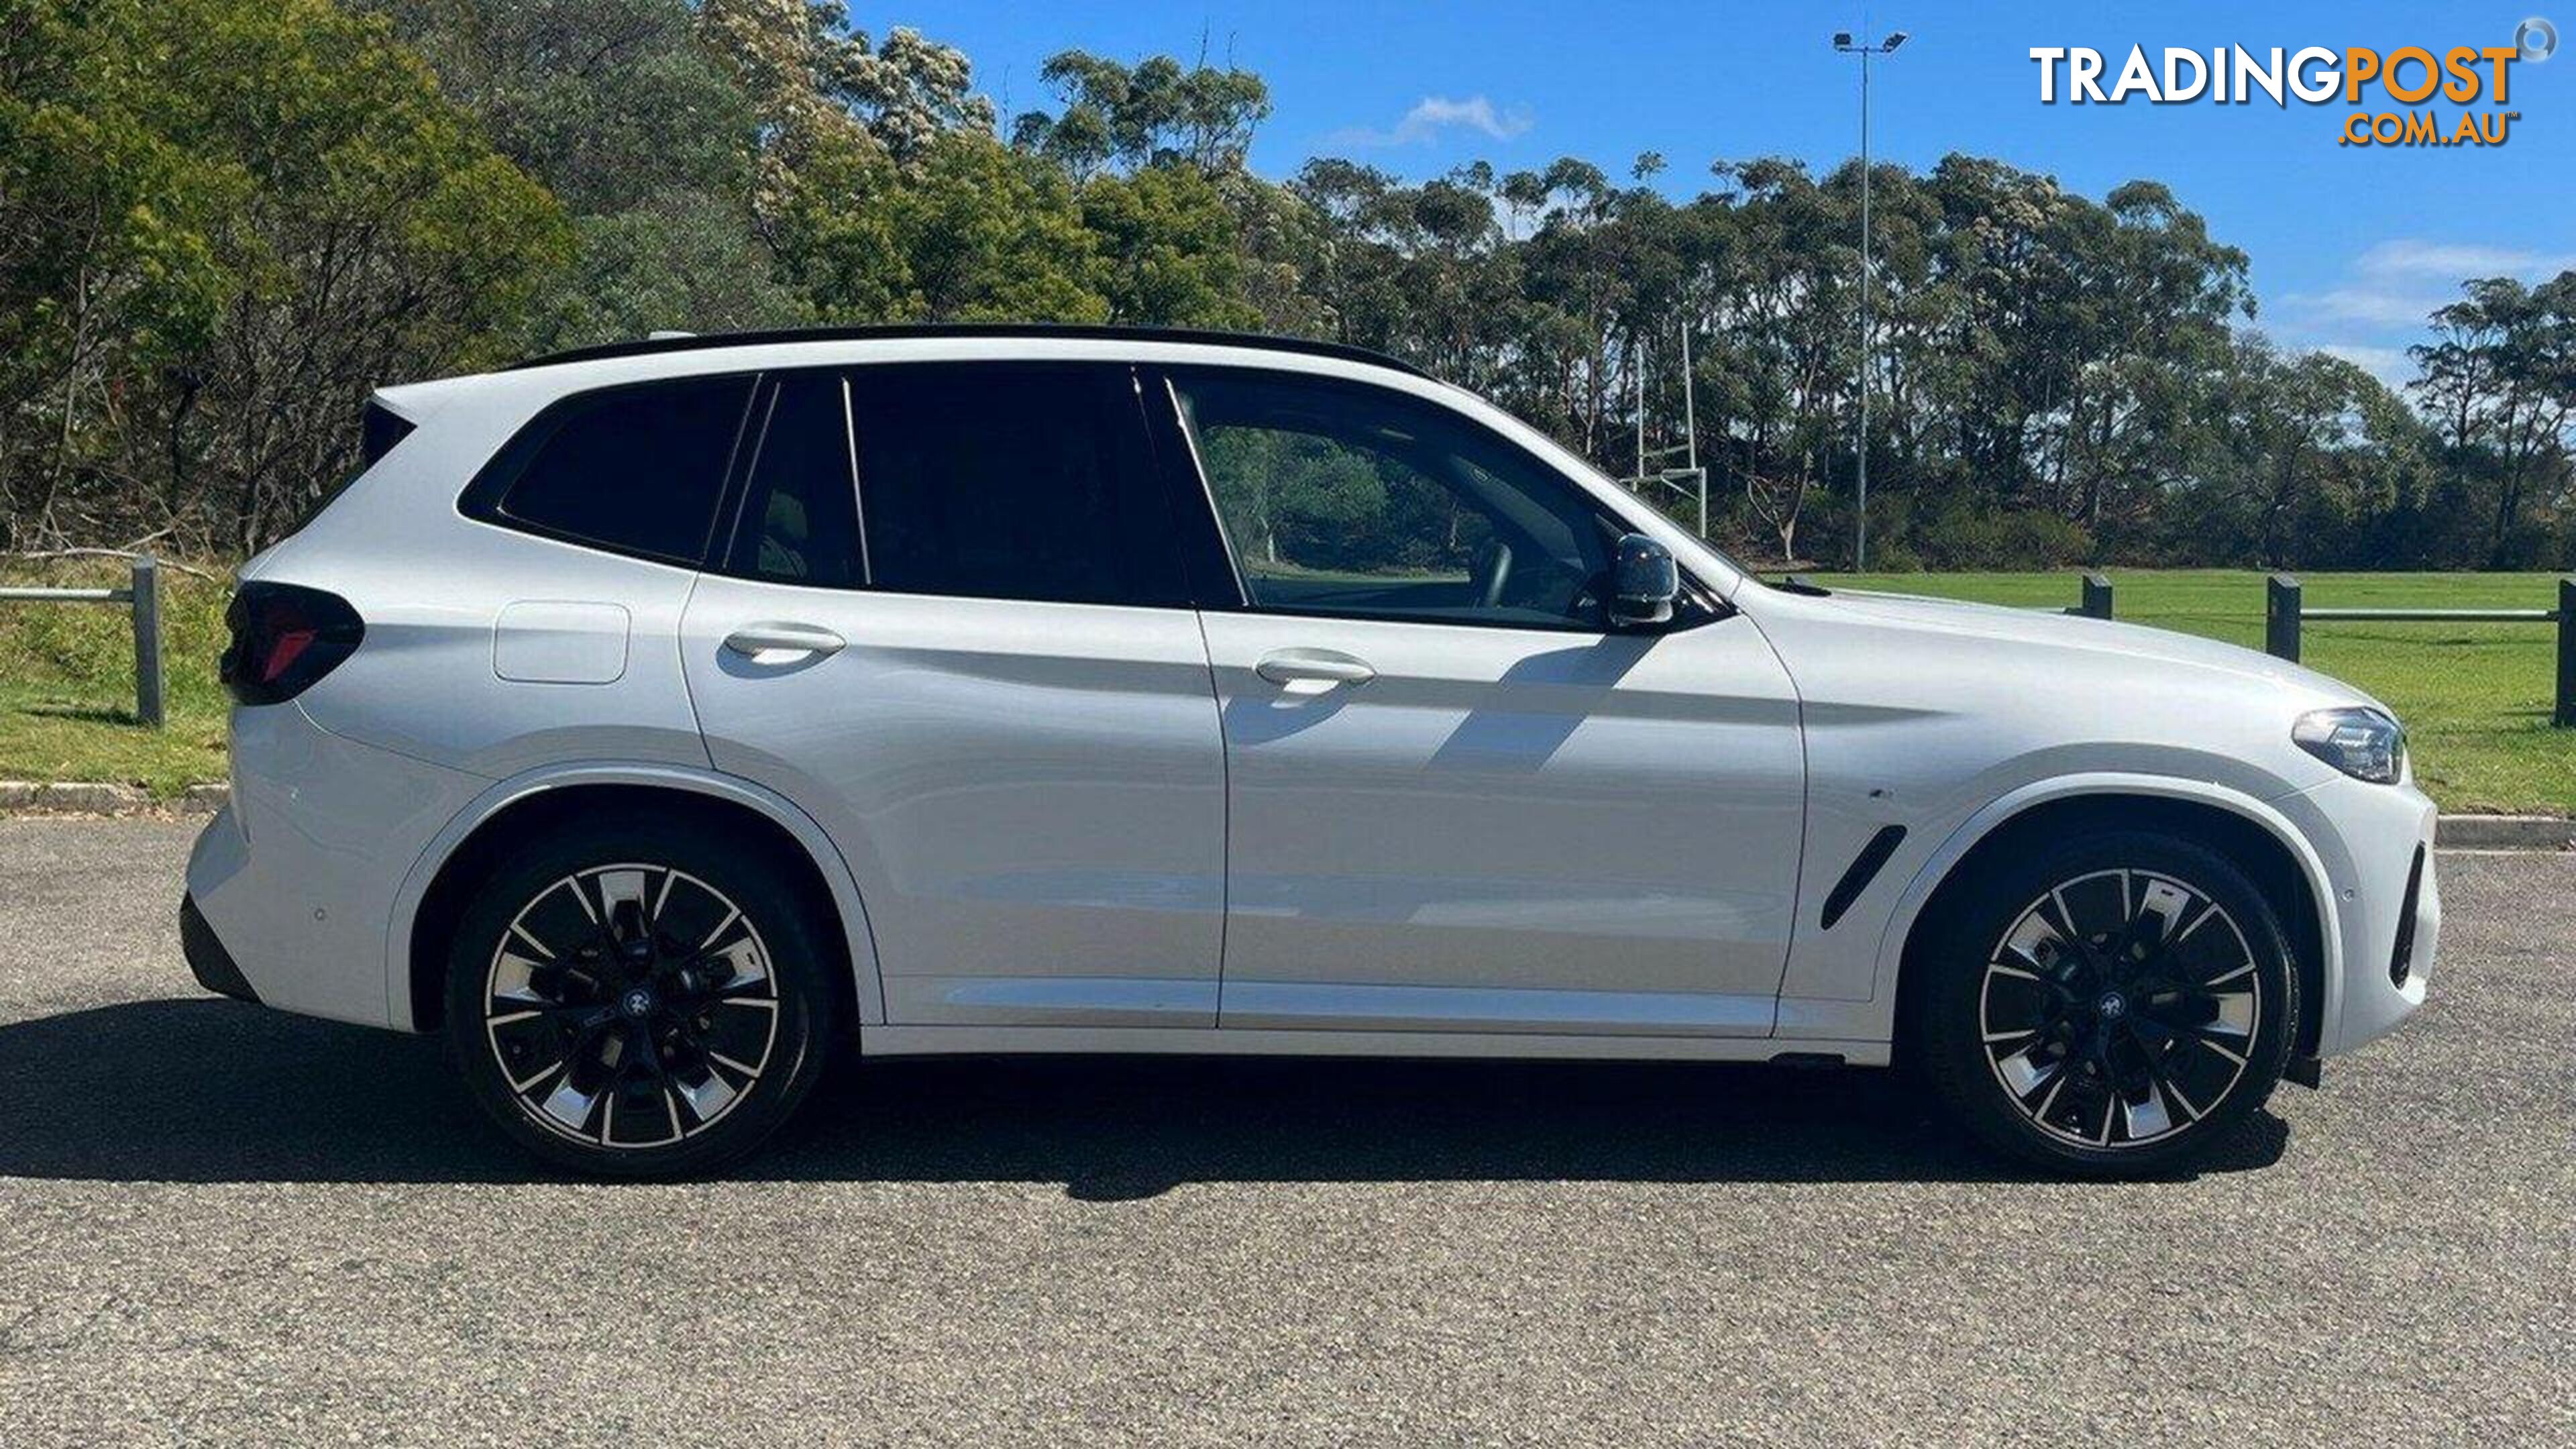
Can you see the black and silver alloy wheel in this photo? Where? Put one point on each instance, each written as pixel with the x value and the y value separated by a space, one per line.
pixel 641 994
pixel 2116 1005
pixel 2120 1007
pixel 630 1006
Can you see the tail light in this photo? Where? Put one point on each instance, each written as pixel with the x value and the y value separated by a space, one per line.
pixel 285 637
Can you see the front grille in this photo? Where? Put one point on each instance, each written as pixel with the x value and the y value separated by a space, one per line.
pixel 2401 962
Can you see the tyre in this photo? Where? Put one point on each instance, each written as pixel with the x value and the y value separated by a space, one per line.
pixel 640 996
pixel 2117 1006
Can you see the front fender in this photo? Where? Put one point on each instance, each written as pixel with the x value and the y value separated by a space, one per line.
pixel 869 991
pixel 1850 992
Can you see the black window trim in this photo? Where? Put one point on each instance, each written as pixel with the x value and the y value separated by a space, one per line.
pixel 481 499
pixel 1201 492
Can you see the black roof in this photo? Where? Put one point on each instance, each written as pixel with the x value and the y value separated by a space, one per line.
pixel 697 341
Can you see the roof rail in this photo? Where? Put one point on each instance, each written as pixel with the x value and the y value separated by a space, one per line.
pixel 663 342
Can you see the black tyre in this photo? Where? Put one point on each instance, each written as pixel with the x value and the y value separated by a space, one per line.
pixel 2115 1006
pixel 640 996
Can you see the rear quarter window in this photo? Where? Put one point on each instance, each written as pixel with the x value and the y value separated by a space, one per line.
pixel 636 470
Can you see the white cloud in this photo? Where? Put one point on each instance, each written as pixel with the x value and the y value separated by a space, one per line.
pixel 2398 307
pixel 2456 261
pixel 1434 114
pixel 2390 365
pixel 2385 294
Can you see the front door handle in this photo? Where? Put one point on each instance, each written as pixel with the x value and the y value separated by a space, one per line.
pixel 774 639
pixel 1312 671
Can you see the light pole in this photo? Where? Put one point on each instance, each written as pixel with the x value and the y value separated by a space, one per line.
pixel 1864 49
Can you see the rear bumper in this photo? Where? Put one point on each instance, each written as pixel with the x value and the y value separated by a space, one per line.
pixel 292 883
pixel 208 961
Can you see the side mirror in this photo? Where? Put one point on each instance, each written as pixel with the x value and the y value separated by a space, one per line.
pixel 1644 582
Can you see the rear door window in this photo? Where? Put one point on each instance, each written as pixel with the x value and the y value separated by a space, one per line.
pixel 1012 481
pixel 637 470
pixel 800 510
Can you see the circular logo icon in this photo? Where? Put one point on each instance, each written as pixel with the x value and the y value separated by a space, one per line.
pixel 638 1001
pixel 2114 1006
pixel 2536 39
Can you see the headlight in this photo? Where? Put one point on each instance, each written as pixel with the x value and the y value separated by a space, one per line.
pixel 2363 743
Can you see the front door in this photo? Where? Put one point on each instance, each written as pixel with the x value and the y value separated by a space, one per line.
pixel 980 673
pixel 1457 799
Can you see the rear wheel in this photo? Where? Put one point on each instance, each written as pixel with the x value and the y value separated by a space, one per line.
pixel 638 996
pixel 2118 1006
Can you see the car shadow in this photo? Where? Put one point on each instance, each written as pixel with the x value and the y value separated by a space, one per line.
pixel 216 1091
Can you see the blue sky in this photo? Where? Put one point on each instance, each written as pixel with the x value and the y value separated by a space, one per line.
pixel 2350 245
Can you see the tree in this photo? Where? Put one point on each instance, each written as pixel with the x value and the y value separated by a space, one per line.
pixel 1153 113
pixel 1168 253
pixel 2500 379
pixel 641 131
pixel 336 222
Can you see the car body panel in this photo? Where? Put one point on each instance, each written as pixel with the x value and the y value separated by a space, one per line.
pixel 299 873
pixel 1933 716
pixel 437 848
pixel 1509 829
pixel 1031 795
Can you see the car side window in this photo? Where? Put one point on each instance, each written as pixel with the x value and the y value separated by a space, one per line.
pixel 636 470
pixel 799 522
pixel 1012 481
pixel 1346 499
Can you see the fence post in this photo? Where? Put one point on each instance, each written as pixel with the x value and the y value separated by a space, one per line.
pixel 2281 617
pixel 2564 715
pixel 2097 597
pixel 146 605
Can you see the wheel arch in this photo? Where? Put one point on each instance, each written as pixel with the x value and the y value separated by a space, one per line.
pixel 2254 837
pixel 434 891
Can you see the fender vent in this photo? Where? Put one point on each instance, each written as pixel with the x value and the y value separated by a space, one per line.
pixel 1863 869
pixel 2401 961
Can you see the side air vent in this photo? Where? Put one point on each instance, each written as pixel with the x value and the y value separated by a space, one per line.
pixel 2401 962
pixel 1863 869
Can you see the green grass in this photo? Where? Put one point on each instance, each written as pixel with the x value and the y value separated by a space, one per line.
pixel 2475 697
pixel 67 682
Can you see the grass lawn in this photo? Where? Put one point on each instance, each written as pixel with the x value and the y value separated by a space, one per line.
pixel 2475 697
pixel 67 682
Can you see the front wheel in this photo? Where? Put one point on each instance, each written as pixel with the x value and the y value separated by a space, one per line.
pixel 638 997
pixel 2116 1006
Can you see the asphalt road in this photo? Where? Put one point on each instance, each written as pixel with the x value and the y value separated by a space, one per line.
pixel 217 1222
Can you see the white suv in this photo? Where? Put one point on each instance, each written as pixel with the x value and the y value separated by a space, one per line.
pixel 654 720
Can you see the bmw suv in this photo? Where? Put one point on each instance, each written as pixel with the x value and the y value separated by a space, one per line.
pixel 653 722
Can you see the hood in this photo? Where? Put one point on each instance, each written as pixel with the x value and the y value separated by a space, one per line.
pixel 2045 629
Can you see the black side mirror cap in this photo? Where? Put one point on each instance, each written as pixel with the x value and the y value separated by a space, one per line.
pixel 1644 583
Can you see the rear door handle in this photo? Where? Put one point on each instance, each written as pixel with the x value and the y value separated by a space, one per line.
pixel 781 638
pixel 1312 671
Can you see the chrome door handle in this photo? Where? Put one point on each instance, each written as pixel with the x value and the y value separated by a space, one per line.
pixel 1312 671
pixel 777 638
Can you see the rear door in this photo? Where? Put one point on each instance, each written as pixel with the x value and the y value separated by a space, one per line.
pixel 978 669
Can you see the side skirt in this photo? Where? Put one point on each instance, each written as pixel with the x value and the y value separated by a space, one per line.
pixel 1239 1041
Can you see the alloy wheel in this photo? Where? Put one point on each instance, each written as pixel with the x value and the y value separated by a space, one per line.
pixel 2120 1008
pixel 630 1006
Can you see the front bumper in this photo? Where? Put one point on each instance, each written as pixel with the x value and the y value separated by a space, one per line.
pixel 2369 839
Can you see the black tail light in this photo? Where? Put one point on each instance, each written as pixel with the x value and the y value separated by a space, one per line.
pixel 285 637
